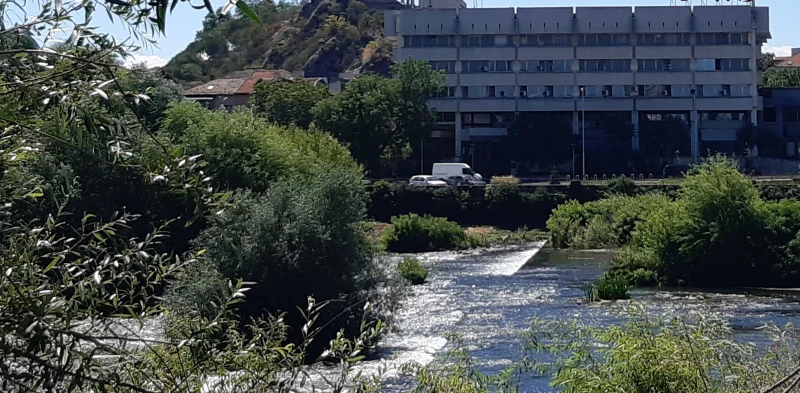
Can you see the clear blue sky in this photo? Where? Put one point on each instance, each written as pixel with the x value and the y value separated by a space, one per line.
pixel 185 22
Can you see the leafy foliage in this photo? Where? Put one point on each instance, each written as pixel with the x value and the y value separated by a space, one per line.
pixel 379 118
pixel 413 271
pixel 287 102
pixel 719 232
pixel 413 233
pixel 778 77
pixel 644 354
pixel 606 288
pixel 244 151
pixel 603 223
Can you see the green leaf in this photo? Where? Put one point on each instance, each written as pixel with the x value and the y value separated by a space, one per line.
pixel 247 11
pixel 52 264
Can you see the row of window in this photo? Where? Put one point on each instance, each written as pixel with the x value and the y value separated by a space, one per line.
pixel 568 91
pixel 594 65
pixel 791 114
pixel 673 39
pixel 593 119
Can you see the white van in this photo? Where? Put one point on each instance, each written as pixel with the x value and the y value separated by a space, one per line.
pixel 446 169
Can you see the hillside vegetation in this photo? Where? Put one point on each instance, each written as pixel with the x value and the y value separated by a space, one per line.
pixel 318 37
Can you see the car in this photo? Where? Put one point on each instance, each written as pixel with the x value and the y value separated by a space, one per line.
pixel 425 180
pixel 464 181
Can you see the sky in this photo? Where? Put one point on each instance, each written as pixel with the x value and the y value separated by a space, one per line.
pixel 184 23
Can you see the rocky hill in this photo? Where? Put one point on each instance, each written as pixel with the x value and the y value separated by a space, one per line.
pixel 318 37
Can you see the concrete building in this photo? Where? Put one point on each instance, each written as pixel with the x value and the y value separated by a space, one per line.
pixel 782 116
pixel 586 63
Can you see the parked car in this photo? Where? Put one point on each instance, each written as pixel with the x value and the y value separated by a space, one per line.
pixel 464 181
pixel 424 180
pixel 444 170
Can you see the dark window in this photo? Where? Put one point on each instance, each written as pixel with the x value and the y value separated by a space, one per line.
pixel 791 114
pixel 769 115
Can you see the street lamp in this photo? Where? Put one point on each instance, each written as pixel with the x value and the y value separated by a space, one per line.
pixel 573 161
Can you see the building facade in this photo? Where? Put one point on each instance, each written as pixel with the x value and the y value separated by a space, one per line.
pixel 782 116
pixel 586 63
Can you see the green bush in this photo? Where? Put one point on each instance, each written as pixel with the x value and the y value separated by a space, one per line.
pixel 695 353
pixel 301 238
pixel 413 271
pixel 605 223
pixel 413 233
pixel 606 288
pixel 718 233
pixel 623 185
pixel 244 151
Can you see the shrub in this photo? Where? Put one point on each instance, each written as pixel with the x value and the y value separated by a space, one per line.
pixel 244 151
pixel 413 233
pixel 301 238
pixel 604 223
pixel 695 353
pixel 606 288
pixel 623 186
pixel 413 271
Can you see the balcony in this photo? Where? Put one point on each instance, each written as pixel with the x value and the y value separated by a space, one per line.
pixel 663 104
pixel 430 54
pixel 488 105
pixel 604 52
pixel 663 78
pixel 488 53
pixel 566 104
pixel 663 52
pixel 723 52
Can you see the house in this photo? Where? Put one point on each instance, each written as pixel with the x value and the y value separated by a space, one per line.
pixel 792 61
pixel 235 89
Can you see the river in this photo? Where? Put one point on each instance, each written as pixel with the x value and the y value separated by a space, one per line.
pixel 488 297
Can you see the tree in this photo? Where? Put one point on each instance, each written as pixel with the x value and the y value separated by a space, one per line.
pixel 766 61
pixel 782 77
pixel 542 138
pixel 287 102
pixel 379 118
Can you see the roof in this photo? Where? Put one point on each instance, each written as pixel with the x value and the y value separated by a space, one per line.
pixel 787 62
pixel 239 82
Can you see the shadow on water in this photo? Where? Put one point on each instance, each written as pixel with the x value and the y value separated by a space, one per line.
pixel 488 297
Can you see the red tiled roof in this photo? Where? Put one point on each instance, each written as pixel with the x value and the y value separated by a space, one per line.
pixel 239 82
pixel 785 62
pixel 249 85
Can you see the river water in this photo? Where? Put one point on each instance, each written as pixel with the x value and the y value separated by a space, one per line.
pixel 487 297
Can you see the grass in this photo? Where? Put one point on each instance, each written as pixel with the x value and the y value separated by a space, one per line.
pixel 606 288
pixel 413 271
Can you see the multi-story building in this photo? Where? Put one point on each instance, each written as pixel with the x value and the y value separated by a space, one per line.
pixel 782 116
pixel 585 63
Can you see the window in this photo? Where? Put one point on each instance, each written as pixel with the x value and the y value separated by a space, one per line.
pixel 447 92
pixel 740 90
pixel 723 39
pixel 592 91
pixel 723 64
pixel 605 65
pixel 486 66
pixel 681 91
pixel 733 64
pixel 604 40
pixel 663 39
pixel 539 91
pixel 546 40
pixel 664 65
pixel 791 114
pixel 547 66
pixel 420 41
pixel 485 40
pixel 562 91
pixel 446 66
pixel 476 118
pixel 770 116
